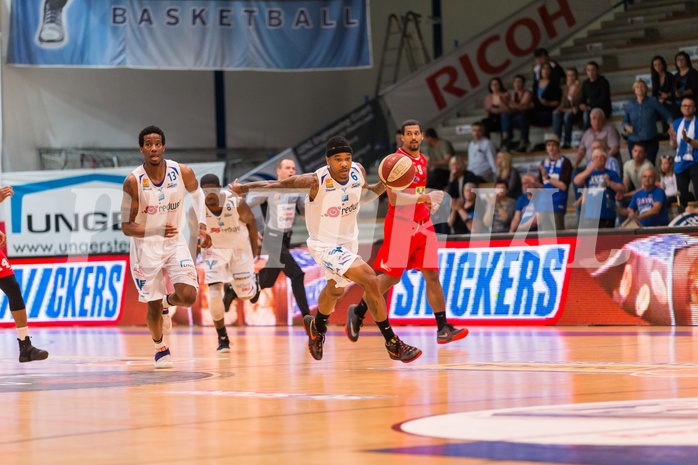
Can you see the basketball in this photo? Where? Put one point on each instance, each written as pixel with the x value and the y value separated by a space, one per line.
pixel 396 171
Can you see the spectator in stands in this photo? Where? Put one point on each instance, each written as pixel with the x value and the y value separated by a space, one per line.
pixel 632 170
pixel 568 113
pixel 598 130
pixel 398 140
pixel 611 162
pixel 648 205
pixel 481 155
pixel 601 186
pixel 541 57
pixel 555 173
pixel 546 97
pixel 685 79
pixel 524 212
pixel 459 177
pixel 667 178
pixel 500 208
pixel 496 103
pixel 596 93
pixel 506 170
pixel 520 111
pixel 466 215
pixel 663 87
pixel 640 120
pixel 438 153
pixel 683 141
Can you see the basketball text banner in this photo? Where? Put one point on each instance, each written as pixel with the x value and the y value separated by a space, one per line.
pixel 446 84
pixel 191 34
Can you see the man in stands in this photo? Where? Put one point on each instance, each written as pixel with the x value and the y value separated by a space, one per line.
pixel 558 72
pixel 525 213
pixel 438 152
pixel 596 93
pixel 555 173
pixel 481 155
pixel 632 170
pixel 599 130
pixel 521 106
pixel 600 188
pixel 648 204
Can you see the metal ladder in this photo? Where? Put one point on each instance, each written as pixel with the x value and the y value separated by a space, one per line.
pixel 403 36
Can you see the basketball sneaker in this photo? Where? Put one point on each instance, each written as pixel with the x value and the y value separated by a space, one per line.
pixel 29 353
pixel 223 345
pixel 353 325
pixel 450 333
pixel 255 298
pixel 166 321
pixel 398 350
pixel 315 337
pixel 51 31
pixel 163 359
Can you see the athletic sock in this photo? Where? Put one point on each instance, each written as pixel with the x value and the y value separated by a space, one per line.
pixel 22 333
pixel 159 344
pixel 321 322
pixel 386 330
pixel 361 309
pixel 440 319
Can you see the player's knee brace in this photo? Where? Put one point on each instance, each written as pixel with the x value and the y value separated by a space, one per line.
pixel 10 287
pixel 215 304
pixel 244 285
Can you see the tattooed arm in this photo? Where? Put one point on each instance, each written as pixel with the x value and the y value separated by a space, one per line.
pixel 370 192
pixel 304 183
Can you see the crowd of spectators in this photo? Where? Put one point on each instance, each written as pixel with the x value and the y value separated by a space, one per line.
pixel 489 194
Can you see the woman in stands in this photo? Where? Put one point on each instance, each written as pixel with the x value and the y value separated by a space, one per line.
pixel 568 112
pixel 685 80
pixel 667 178
pixel 496 103
pixel 546 97
pixel 466 212
pixel 506 171
pixel 663 87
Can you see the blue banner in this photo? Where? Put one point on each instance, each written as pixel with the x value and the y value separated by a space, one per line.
pixel 191 34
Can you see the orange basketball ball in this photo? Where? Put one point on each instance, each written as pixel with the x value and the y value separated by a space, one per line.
pixel 396 171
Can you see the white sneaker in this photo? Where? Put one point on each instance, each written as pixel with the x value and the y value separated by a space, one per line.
pixel 166 321
pixel 163 359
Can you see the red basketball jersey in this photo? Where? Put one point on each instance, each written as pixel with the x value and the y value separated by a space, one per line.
pixel 418 212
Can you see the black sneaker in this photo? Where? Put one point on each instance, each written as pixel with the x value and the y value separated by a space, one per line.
pixel 223 345
pixel 353 325
pixel 228 296
pixel 315 337
pixel 256 296
pixel 398 350
pixel 450 333
pixel 29 353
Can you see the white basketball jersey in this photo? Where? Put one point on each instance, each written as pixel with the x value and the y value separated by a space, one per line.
pixel 226 230
pixel 332 216
pixel 163 203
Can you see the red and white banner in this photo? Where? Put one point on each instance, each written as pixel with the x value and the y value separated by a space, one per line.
pixel 447 83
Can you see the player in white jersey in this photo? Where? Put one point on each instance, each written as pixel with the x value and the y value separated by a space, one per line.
pixel 152 215
pixel 233 232
pixel 334 196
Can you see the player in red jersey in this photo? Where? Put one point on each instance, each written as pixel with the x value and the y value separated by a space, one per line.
pixel 410 210
pixel 10 286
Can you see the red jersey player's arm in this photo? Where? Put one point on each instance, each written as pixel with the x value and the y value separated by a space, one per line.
pixel 400 198
pixel 370 192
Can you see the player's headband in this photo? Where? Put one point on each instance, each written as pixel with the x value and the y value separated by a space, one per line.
pixel 340 149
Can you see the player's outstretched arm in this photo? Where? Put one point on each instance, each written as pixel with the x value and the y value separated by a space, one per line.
pixel 198 203
pixel 303 183
pixel 370 192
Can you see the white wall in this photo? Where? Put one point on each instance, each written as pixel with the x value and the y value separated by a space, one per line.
pixel 94 108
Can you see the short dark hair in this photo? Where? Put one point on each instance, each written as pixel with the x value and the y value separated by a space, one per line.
pixel 430 132
pixel 337 144
pixel 502 181
pixel 150 130
pixel 410 122
pixel 640 144
pixel 540 52
pixel 594 64
pixel 520 76
pixel 210 179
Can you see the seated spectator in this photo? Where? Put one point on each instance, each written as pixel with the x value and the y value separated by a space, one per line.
pixel 648 205
pixel 500 208
pixel 599 130
pixel 667 178
pixel 546 97
pixel 438 153
pixel 640 120
pixel 459 177
pixel 596 93
pixel 496 103
pixel 601 186
pixel 611 165
pixel 541 57
pixel 519 116
pixel 481 155
pixel 525 217
pixel 632 170
pixel 683 141
pixel 685 80
pixel 568 113
pixel 466 215
pixel 505 170
pixel 555 173
pixel 663 87
pixel 398 140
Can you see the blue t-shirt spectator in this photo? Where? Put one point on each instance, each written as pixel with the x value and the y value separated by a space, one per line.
pixel 643 201
pixel 600 198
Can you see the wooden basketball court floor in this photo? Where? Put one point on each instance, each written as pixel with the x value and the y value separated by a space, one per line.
pixel 504 395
